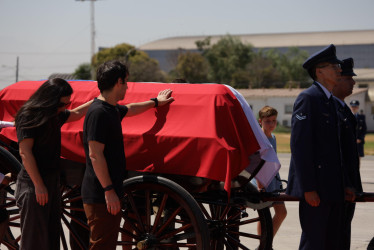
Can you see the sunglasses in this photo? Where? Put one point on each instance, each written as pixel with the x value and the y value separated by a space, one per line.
pixel 334 66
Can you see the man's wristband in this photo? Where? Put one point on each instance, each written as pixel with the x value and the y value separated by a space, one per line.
pixel 108 188
pixel 156 101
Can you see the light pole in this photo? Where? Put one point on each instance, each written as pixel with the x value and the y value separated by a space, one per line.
pixel 17 67
pixel 92 33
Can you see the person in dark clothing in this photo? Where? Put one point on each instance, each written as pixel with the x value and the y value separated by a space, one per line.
pixel 104 149
pixel 348 143
pixel 360 127
pixel 38 125
pixel 4 216
pixel 316 175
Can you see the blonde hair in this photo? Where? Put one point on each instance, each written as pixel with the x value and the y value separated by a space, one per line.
pixel 267 111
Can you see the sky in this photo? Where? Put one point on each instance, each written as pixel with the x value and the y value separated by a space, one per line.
pixel 54 36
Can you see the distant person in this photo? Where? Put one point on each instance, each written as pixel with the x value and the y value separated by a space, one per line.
pixel 104 149
pixel 316 175
pixel 268 122
pixel 38 124
pixel 349 149
pixel 361 126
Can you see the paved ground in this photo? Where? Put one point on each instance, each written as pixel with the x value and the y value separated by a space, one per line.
pixel 363 223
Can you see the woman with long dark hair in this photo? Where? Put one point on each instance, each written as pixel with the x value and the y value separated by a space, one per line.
pixel 38 124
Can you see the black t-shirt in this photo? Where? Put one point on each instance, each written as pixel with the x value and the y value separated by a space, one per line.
pixel 103 124
pixel 47 143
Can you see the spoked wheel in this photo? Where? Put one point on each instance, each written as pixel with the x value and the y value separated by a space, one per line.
pixel 73 219
pixel 8 209
pixel 234 226
pixel 160 214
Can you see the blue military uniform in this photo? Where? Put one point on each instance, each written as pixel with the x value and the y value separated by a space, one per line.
pixel 350 156
pixel 360 128
pixel 316 161
pixel 361 132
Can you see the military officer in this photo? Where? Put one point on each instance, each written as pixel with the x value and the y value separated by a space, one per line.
pixel 348 139
pixel 316 174
pixel 361 126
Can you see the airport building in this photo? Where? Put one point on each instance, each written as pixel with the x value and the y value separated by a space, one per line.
pixel 357 44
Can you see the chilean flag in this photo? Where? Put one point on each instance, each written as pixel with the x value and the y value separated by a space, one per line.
pixel 208 131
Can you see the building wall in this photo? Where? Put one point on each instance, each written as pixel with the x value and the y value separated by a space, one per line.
pixel 363 54
pixel 284 106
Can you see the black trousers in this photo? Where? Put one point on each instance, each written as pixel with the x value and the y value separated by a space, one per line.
pixel 321 226
pixel 40 225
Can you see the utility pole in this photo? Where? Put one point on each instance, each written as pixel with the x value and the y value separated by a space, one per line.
pixel 92 11
pixel 17 67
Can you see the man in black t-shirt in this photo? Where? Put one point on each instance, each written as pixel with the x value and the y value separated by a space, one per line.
pixel 105 157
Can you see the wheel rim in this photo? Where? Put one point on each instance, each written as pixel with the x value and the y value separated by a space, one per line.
pixel 233 226
pixel 74 219
pixel 159 216
pixel 12 235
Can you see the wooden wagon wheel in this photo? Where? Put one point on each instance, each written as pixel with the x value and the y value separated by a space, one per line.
pixel 76 233
pixel 160 214
pixel 72 210
pixel 9 163
pixel 233 225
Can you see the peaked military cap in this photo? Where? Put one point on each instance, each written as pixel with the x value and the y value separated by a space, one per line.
pixel 354 103
pixel 327 54
pixel 347 67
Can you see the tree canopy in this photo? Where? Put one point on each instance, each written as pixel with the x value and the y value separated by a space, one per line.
pixel 232 62
pixel 142 68
pixel 192 67
pixel 229 61
pixel 225 58
pixel 83 72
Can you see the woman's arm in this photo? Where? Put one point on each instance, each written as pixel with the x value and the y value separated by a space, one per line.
pixel 79 112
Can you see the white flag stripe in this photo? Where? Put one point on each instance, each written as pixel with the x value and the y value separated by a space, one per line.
pixel 272 164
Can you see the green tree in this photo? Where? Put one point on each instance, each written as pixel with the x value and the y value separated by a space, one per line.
pixel 289 66
pixel 226 57
pixel 145 69
pixel 192 67
pixel 142 68
pixel 262 72
pixel 83 72
pixel 119 52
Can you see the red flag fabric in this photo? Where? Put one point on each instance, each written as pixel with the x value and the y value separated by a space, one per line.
pixel 203 133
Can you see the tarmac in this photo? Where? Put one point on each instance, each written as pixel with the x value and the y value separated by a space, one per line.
pixel 288 236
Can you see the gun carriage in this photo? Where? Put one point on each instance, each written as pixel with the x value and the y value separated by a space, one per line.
pixel 189 170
